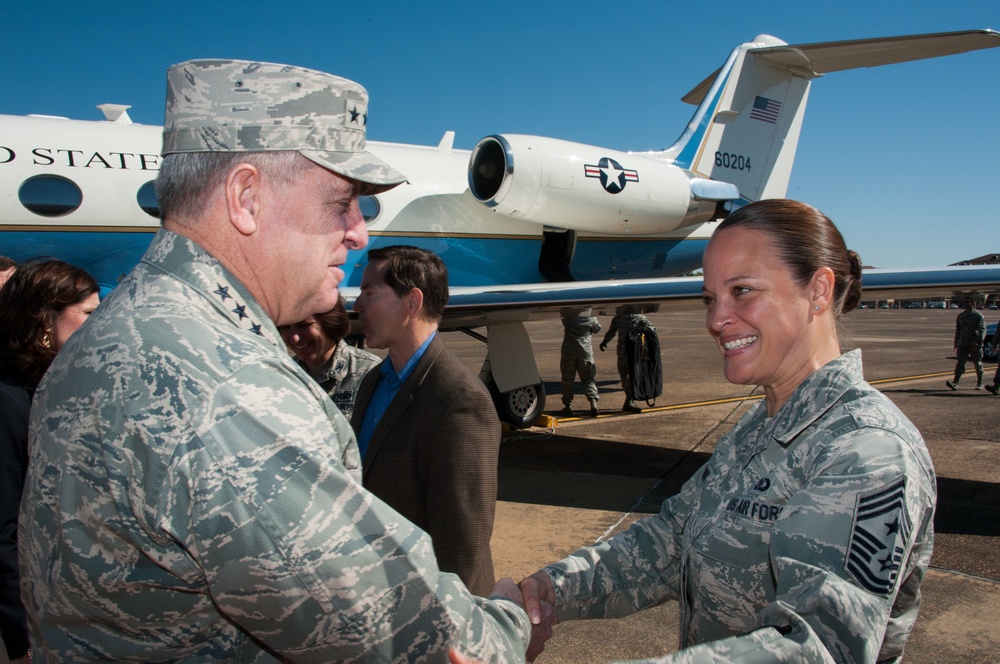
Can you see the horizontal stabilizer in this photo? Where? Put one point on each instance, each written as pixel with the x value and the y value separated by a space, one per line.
pixel 812 60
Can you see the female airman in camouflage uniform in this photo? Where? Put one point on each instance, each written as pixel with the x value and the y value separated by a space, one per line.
pixel 807 533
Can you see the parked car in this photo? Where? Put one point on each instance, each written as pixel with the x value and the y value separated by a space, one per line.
pixel 990 348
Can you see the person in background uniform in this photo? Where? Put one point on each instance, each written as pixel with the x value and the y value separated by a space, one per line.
pixel 622 325
pixel 970 331
pixel 7 267
pixel 576 356
pixel 41 305
pixel 192 494
pixel 426 425
pixel 995 387
pixel 806 535
pixel 320 349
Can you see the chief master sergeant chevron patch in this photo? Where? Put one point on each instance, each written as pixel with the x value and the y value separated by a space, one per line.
pixel 879 537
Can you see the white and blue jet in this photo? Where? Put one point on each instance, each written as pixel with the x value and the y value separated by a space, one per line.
pixel 528 226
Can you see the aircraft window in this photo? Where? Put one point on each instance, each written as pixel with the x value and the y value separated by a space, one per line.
pixel 50 195
pixel 370 207
pixel 147 199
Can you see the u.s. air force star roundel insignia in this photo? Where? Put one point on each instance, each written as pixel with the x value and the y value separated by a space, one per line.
pixel 612 175
pixel 879 537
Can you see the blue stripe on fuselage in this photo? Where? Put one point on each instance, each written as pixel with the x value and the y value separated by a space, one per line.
pixel 471 260
pixel 106 255
pixel 495 260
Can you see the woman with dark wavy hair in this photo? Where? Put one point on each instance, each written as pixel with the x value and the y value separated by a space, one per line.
pixel 319 348
pixel 806 535
pixel 41 305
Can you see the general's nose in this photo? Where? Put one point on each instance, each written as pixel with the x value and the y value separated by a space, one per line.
pixel 356 236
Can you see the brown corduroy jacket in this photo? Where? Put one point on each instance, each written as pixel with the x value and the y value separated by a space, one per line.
pixel 433 458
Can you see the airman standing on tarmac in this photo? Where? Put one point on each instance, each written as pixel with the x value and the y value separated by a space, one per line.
pixel 576 356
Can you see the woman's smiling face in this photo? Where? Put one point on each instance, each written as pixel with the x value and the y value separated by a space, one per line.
pixel 756 312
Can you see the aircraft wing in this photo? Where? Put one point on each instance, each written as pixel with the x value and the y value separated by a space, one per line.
pixel 476 306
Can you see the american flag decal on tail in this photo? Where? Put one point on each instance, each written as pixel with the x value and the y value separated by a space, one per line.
pixel 765 110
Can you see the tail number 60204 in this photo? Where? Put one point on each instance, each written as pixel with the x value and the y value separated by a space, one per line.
pixel 736 162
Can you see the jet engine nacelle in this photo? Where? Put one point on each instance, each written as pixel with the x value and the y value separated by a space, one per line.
pixel 585 188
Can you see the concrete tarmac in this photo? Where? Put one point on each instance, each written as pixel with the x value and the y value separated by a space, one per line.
pixel 586 479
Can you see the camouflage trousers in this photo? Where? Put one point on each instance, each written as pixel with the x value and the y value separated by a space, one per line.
pixel 569 367
pixel 972 354
pixel 625 373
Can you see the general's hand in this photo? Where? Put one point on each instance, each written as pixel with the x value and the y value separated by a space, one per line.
pixel 507 589
pixel 457 658
pixel 604 347
pixel 539 598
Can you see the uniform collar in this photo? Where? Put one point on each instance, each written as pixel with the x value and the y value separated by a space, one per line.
pixel 814 396
pixel 188 261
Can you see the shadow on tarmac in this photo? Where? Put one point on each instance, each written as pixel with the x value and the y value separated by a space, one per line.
pixel 585 473
pixel 967 507
pixel 592 474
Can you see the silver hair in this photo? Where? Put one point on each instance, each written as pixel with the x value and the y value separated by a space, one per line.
pixel 187 179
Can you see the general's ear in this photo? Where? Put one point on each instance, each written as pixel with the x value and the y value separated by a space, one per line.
pixel 243 189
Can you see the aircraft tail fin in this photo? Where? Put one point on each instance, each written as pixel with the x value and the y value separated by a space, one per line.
pixel 746 129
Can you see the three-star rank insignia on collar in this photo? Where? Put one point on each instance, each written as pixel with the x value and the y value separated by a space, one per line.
pixel 222 292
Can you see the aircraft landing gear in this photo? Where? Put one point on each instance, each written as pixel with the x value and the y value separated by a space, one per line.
pixel 521 407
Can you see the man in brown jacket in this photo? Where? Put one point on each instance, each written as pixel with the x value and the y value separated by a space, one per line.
pixel 427 429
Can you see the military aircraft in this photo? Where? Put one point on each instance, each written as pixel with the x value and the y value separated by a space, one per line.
pixel 529 226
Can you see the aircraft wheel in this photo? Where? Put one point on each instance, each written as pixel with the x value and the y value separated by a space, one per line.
pixel 989 351
pixel 521 407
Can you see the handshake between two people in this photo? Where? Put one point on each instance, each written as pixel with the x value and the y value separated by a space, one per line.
pixel 536 595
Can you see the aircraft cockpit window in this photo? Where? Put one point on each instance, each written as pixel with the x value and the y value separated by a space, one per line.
pixel 370 207
pixel 50 195
pixel 147 199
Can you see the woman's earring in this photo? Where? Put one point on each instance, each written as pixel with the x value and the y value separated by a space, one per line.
pixel 816 307
pixel 46 342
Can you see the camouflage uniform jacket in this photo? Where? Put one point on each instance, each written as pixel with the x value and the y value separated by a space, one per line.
pixel 970 329
pixel 194 496
pixel 622 325
pixel 340 376
pixel 577 340
pixel 817 521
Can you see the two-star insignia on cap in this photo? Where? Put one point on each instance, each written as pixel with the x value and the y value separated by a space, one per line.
pixel 359 114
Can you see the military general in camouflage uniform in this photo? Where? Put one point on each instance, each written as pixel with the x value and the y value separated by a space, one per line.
pixel 576 356
pixel 806 535
pixel 192 494
pixel 970 333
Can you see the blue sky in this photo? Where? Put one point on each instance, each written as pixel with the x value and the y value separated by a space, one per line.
pixel 905 158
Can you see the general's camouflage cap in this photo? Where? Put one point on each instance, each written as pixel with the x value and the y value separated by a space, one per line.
pixel 243 106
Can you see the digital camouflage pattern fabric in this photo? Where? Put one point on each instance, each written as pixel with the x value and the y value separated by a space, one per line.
pixel 342 373
pixel 778 530
pixel 576 356
pixel 970 329
pixel 194 496
pixel 244 106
